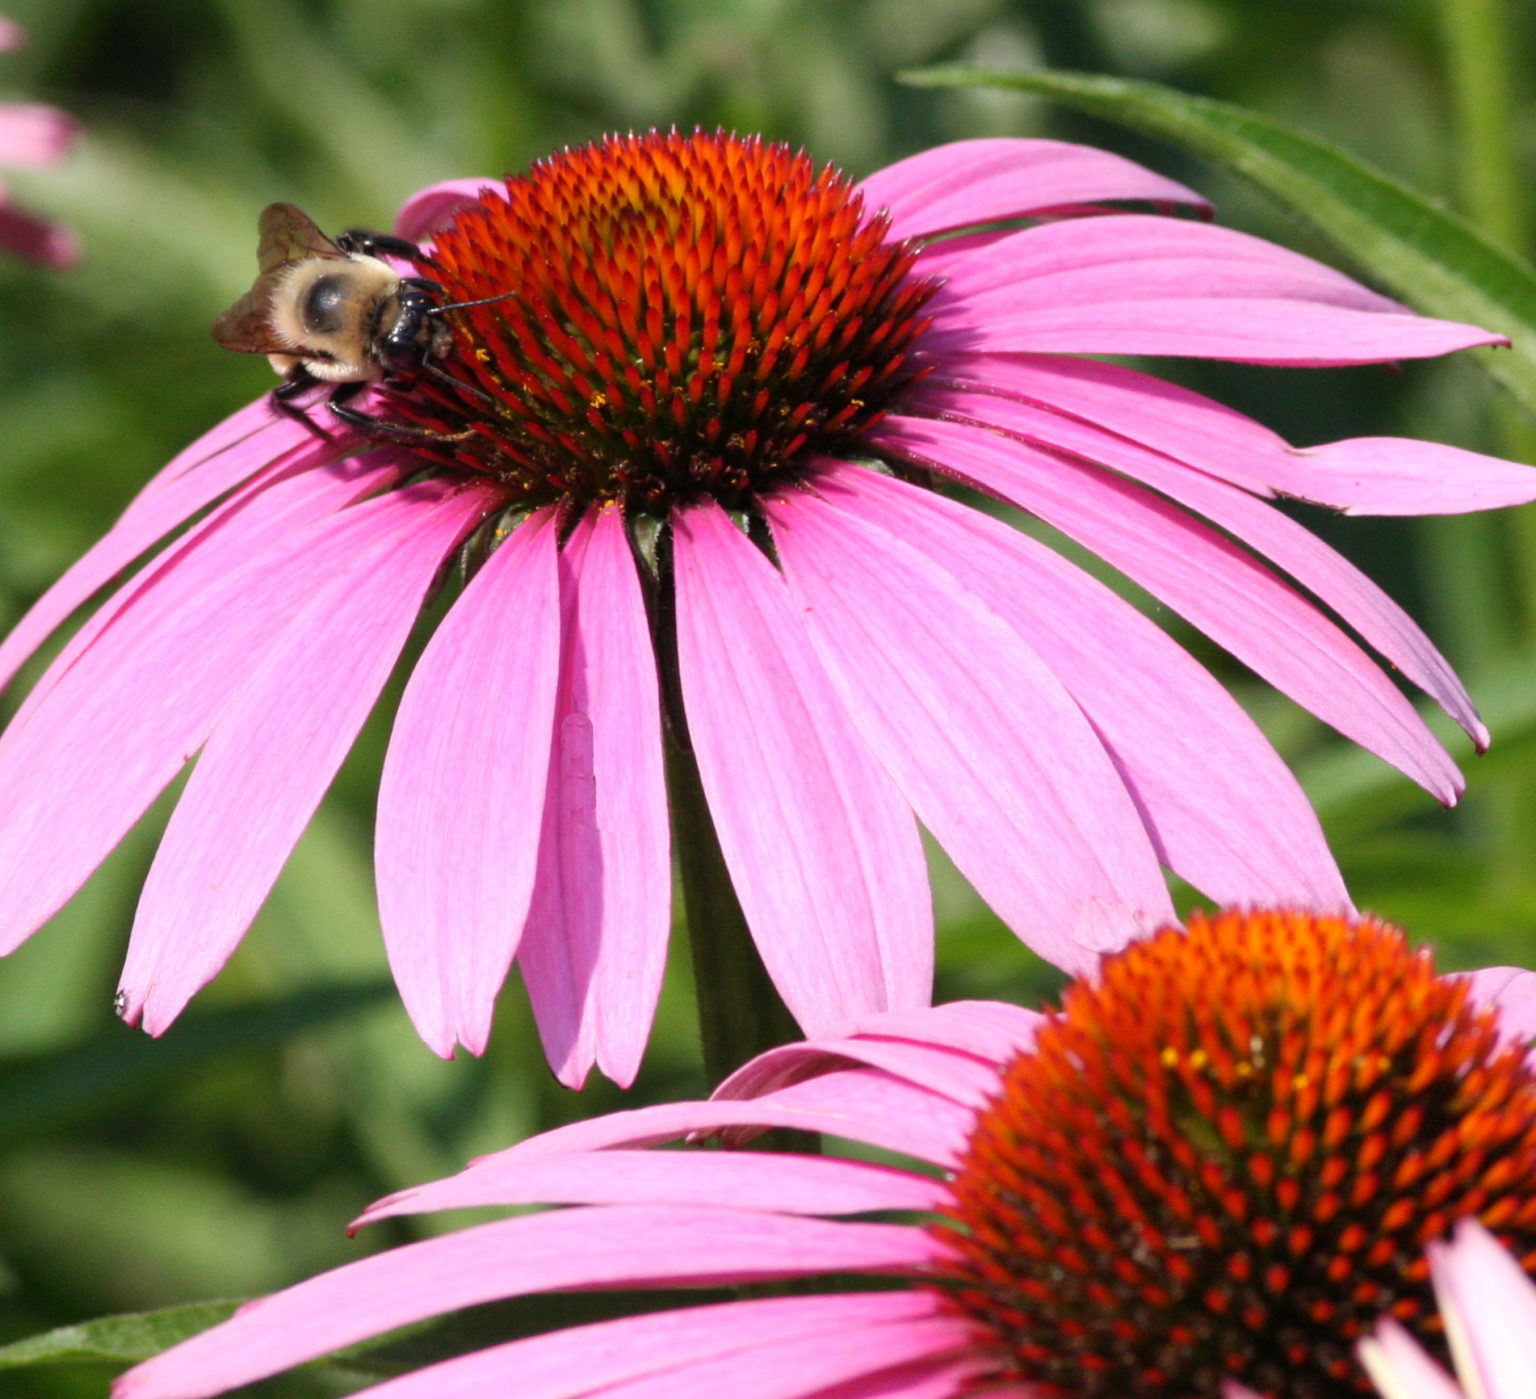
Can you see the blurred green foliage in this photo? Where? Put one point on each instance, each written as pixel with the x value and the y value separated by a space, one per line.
pixel 224 1159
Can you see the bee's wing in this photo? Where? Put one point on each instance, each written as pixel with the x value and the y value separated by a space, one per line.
pixel 285 235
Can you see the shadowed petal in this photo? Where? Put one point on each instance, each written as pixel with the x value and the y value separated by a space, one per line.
pixel 432 208
pixel 595 945
pixel 1489 1307
pixel 514 1257
pixel 823 853
pixel 115 718
pixel 987 746
pixel 1222 590
pixel 1225 812
pixel 276 746
pixel 462 789
pixel 774 1182
pixel 982 181
pixel 1399 1367
pixel 1513 991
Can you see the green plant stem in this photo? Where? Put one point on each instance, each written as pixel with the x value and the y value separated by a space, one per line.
pixel 740 1013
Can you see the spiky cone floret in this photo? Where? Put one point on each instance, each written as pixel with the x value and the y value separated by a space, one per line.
pixel 699 460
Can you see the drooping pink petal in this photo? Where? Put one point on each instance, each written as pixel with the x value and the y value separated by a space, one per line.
pixel 432 208
pixel 156 511
pixel 38 240
pixel 992 1031
pixel 463 788
pixel 983 181
pixel 595 944
pixel 1325 572
pixel 1489 1306
pixel 251 437
pixel 1224 811
pixel 631 1246
pixel 1135 258
pixel 1512 990
pixel 33 136
pixel 822 850
pixel 959 1077
pixel 1399 1368
pixel 275 747
pixel 585 1360
pixel 1220 589
pixel 990 750
pixel 116 717
pixel 859 1104
pixel 1403 476
pixel 775 1182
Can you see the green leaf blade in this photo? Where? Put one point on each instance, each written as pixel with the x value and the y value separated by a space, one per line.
pixel 1429 257
pixel 116 1340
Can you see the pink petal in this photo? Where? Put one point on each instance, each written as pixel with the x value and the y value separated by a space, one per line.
pixel 463 788
pixel 949 1377
pixel 825 857
pixel 1251 330
pixel 250 438
pixel 857 1104
pixel 992 1031
pixel 588 1359
pixel 12 35
pixel 1489 1307
pixel 275 747
pixel 1331 577
pixel 117 716
pixel 983 181
pixel 433 208
pixel 1403 476
pixel 595 944
pixel 1139 257
pixel 36 239
pixel 1225 812
pixel 515 1257
pixel 33 136
pixel 1220 589
pixel 163 505
pixel 987 746
pixel 1512 990
pixel 1400 1369
pixel 775 1183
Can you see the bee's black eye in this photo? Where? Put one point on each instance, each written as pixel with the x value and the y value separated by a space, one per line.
pixel 322 306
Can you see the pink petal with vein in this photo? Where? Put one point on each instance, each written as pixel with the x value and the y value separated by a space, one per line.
pixel 861 1105
pixel 1224 811
pixel 254 436
pixel 1309 561
pixel 775 1183
pixel 958 1077
pixel 276 746
pixel 433 208
pixel 1138 257
pixel 595 944
pixel 515 1257
pixel 987 746
pixel 1222 590
pixel 586 1359
pixel 34 136
pixel 1489 1306
pixel 1251 330
pixel 463 787
pixel 989 1030
pixel 121 713
pixel 825 857
pixel 1399 1367
pixel 1403 476
pixel 982 181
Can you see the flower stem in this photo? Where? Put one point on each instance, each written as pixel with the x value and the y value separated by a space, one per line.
pixel 740 1013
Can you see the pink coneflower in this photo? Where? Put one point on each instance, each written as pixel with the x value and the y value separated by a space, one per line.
pixel 32 135
pixel 696 444
pixel 1218 1165
pixel 1488 1306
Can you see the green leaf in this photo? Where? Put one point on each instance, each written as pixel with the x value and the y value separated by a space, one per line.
pixel 1427 256
pixel 118 1340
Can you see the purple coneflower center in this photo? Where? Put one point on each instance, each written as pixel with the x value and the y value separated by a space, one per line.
pixel 1225 1160
pixel 688 315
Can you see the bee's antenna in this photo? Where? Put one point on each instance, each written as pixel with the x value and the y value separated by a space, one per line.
pixel 445 377
pixel 461 305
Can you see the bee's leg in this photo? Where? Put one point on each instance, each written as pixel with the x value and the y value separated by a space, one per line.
pixel 299 381
pixel 359 240
pixel 379 431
